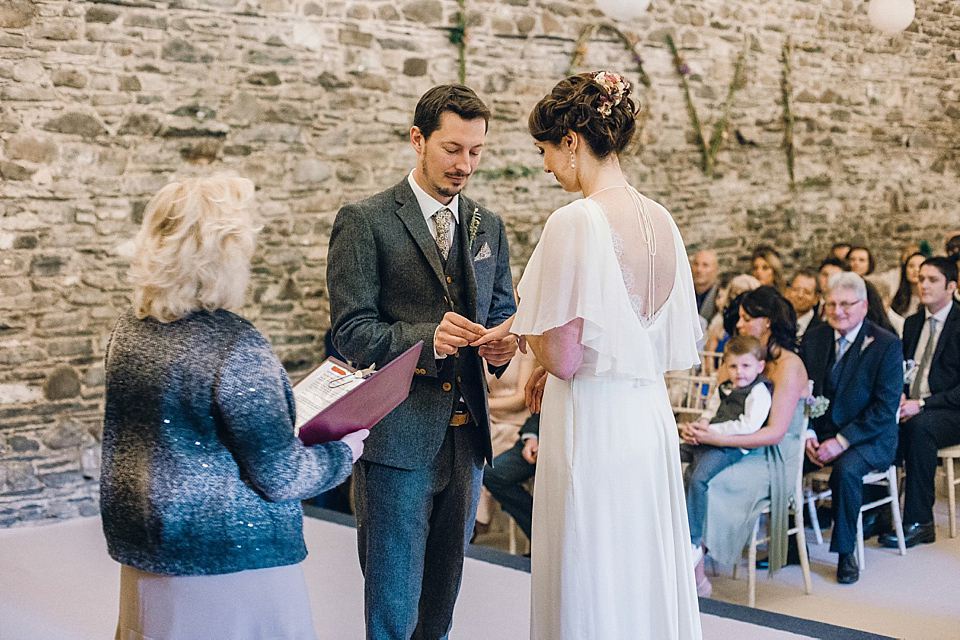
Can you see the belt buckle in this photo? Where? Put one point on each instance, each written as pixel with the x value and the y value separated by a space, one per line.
pixel 459 418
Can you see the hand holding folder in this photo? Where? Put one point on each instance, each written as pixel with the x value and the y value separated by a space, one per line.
pixel 336 399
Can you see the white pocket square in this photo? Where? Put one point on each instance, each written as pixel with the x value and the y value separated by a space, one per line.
pixel 484 253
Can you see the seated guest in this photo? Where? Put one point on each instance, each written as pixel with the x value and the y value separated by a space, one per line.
pixel 804 294
pixel 839 250
pixel 202 475
pixel 505 478
pixel 952 247
pixel 876 311
pixel 704 267
pixel 892 276
pixel 930 412
pixel 827 268
pixel 906 300
pixel 857 366
pixel 883 291
pixel 739 405
pixel 508 413
pixel 861 260
pixel 724 322
pixel 764 476
pixel 765 266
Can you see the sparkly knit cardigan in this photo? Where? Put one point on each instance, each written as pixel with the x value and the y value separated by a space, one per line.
pixel 201 472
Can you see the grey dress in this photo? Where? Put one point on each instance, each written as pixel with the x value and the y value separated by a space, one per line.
pixel 737 494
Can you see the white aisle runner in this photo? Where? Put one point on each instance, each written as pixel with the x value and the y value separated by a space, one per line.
pixel 57 583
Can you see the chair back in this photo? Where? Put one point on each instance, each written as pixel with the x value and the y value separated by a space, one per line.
pixel 689 392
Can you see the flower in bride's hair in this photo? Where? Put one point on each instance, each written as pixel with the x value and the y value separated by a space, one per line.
pixel 615 87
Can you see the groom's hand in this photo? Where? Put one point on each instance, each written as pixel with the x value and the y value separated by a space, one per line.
pixel 454 332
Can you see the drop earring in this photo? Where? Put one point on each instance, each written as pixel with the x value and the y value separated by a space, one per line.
pixel 573 161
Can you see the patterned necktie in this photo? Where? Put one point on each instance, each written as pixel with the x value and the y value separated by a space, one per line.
pixel 924 360
pixel 842 344
pixel 442 219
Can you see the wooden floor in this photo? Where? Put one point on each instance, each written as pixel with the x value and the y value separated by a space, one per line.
pixel 58 583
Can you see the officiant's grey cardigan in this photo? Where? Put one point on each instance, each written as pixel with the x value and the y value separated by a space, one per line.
pixel 201 471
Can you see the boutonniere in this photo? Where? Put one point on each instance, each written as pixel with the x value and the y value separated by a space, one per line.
pixel 866 343
pixel 474 225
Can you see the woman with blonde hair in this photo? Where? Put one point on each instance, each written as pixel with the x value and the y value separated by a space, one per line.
pixel 765 266
pixel 202 475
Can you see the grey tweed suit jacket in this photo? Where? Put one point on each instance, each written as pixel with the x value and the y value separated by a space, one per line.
pixel 388 290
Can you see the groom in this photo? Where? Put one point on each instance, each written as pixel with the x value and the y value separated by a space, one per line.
pixel 420 261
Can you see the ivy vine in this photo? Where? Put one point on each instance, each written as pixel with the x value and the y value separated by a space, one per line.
pixel 458 38
pixel 630 42
pixel 788 119
pixel 710 148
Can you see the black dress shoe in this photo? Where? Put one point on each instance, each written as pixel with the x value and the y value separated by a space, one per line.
pixel 793 555
pixel 848 571
pixel 913 534
pixel 874 522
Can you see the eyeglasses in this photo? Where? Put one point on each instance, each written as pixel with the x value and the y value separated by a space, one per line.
pixel 846 306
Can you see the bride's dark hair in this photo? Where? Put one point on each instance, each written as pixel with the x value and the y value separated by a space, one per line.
pixel 579 103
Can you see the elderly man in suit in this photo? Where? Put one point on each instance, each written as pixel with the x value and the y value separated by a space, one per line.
pixel 857 366
pixel 930 409
pixel 420 261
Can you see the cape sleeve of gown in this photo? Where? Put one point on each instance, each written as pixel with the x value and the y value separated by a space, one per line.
pixel 574 273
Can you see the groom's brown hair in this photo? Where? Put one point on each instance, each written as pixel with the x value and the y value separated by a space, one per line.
pixel 456 98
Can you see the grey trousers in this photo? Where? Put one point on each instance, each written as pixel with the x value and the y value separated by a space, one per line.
pixel 412 530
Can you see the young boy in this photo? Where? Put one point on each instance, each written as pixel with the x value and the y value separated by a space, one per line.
pixel 738 406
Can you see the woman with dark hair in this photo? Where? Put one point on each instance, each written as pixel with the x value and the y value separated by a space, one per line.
pixel 906 300
pixel 769 470
pixel 608 306
pixel 861 260
pixel 876 312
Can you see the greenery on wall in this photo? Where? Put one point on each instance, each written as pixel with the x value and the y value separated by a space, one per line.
pixel 458 38
pixel 710 148
pixel 787 112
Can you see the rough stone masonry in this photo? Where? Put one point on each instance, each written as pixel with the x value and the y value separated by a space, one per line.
pixel 103 102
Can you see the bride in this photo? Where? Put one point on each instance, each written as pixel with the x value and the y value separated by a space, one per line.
pixel 607 305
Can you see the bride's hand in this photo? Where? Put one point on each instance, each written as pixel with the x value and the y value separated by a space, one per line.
pixel 495 334
pixel 533 390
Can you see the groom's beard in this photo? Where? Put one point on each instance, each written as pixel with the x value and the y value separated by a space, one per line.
pixel 447 190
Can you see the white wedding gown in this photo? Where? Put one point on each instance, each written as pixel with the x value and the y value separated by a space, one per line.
pixel 611 546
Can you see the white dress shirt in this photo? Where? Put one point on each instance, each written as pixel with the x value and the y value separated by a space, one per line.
pixel 803 322
pixel 941 317
pixel 430 205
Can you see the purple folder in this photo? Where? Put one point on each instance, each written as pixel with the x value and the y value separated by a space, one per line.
pixel 367 404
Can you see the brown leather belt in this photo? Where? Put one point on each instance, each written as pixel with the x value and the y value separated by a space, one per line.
pixel 459 418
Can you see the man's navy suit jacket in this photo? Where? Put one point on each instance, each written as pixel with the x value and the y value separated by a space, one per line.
pixel 865 404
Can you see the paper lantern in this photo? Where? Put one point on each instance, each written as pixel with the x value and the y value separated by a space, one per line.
pixel 623 9
pixel 891 16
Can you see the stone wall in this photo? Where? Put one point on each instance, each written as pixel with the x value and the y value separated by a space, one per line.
pixel 102 103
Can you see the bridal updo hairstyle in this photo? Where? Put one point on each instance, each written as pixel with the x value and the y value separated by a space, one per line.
pixel 579 103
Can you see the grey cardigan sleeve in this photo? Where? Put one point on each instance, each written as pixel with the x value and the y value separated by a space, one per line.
pixel 256 420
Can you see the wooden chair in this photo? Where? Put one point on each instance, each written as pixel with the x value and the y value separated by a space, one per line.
pixel 797 530
pixel 688 392
pixel 949 455
pixel 886 479
pixel 710 362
